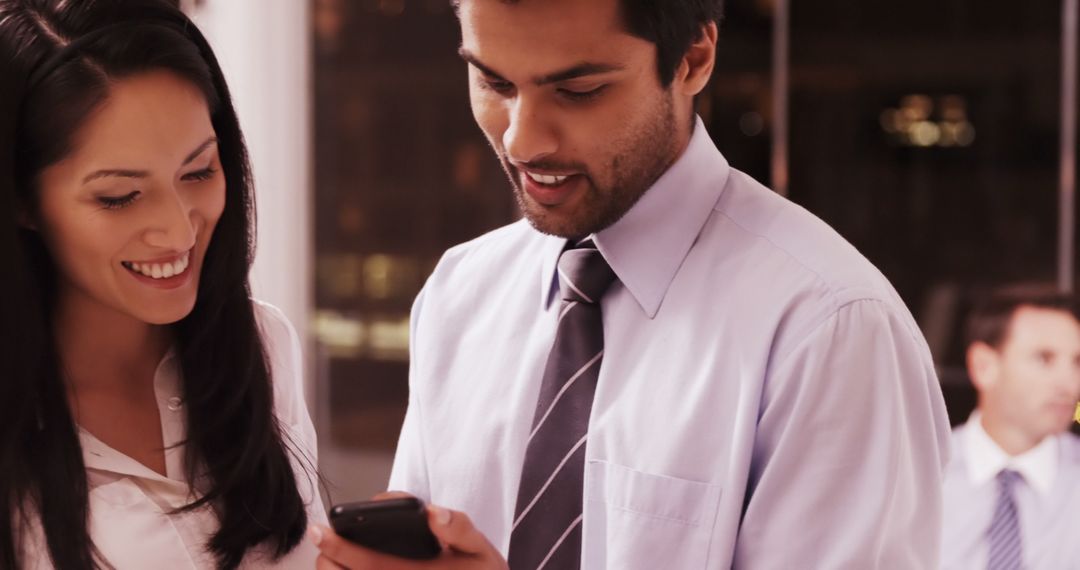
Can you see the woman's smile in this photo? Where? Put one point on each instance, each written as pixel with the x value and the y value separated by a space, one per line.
pixel 164 273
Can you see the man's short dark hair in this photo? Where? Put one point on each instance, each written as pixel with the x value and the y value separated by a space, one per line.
pixel 989 321
pixel 671 25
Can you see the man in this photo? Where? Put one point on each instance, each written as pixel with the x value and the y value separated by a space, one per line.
pixel 664 365
pixel 1012 491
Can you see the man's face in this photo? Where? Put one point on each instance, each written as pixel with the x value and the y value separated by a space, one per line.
pixel 573 106
pixel 1035 379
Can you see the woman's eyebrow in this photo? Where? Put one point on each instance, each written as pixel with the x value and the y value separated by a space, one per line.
pixel 128 173
pixel 195 153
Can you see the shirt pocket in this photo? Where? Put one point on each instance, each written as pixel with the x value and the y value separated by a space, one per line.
pixel 635 520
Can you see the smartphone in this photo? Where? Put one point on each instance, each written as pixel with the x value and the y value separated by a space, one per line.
pixel 395 526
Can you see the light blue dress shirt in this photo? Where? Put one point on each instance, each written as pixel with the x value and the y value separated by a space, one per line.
pixel 1047 500
pixel 765 399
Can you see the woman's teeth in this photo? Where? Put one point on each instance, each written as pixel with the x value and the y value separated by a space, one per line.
pixel 160 270
pixel 545 179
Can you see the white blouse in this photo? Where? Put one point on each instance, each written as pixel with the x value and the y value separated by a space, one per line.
pixel 130 503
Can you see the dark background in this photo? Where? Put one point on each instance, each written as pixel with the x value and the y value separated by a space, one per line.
pixel 926 132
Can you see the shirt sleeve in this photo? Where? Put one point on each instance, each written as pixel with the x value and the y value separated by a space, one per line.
pixel 285 356
pixel 410 473
pixel 851 446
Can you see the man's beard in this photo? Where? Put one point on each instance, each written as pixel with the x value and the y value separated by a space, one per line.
pixel 641 158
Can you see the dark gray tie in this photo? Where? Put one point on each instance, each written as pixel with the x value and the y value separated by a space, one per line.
pixel 547 521
pixel 1003 537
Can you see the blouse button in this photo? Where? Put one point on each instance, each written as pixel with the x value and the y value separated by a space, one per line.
pixel 175 403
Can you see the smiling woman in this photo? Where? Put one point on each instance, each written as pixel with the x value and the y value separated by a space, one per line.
pixel 153 413
pixel 123 219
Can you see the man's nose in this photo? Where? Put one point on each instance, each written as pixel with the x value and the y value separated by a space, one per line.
pixel 530 136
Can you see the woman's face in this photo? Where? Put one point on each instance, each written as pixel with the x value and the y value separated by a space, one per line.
pixel 128 215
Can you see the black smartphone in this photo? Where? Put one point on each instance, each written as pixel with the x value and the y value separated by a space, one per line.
pixel 395 526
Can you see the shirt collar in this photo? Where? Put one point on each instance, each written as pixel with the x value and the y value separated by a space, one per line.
pixel 648 245
pixel 102 457
pixel 985 459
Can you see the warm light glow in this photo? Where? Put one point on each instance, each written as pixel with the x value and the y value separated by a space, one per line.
pixel 924 122
pixel 924 133
pixel 338 334
pixel 378 282
pixel 350 336
pixel 388 339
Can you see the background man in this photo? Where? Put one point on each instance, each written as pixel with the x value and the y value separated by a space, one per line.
pixel 1012 491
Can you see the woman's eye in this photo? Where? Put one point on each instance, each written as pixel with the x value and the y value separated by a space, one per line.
pixel 200 175
pixel 582 95
pixel 111 203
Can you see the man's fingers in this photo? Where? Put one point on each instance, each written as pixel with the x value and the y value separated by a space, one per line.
pixel 454 529
pixel 465 545
pixel 336 549
pixel 346 554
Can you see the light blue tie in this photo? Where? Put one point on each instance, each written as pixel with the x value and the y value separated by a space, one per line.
pixel 1003 537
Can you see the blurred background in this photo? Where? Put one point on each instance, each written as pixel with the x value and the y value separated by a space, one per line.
pixel 938 136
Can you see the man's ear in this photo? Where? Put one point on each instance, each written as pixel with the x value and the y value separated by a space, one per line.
pixel 984 365
pixel 697 65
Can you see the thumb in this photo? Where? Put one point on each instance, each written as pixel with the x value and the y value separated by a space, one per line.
pixel 346 554
pixel 456 531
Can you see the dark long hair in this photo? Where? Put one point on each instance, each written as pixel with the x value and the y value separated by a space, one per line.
pixel 58 58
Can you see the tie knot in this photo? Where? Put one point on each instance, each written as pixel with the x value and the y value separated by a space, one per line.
pixel 584 275
pixel 1007 479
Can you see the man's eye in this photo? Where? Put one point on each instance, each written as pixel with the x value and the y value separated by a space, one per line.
pixel 497 85
pixel 119 202
pixel 578 96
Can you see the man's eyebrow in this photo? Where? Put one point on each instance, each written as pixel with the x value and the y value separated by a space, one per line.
pixel 580 70
pixel 472 60
pixel 125 173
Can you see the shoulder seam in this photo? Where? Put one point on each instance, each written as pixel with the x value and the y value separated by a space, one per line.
pixel 809 331
pixel 769 240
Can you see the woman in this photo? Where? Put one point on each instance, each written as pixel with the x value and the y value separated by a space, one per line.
pixel 152 414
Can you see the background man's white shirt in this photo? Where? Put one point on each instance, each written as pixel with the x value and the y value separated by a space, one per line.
pixel 1047 500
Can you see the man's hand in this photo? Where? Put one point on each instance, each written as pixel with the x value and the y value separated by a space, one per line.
pixel 464 547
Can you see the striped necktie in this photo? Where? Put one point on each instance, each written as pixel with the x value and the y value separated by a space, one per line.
pixel 1003 537
pixel 547 521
